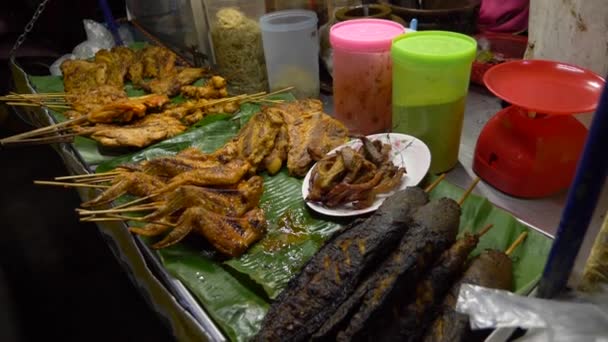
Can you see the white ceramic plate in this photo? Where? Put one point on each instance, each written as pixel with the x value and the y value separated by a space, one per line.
pixel 407 151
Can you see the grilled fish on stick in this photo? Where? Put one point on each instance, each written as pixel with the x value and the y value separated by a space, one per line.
pixel 335 270
pixel 434 229
pixel 492 269
pixel 410 320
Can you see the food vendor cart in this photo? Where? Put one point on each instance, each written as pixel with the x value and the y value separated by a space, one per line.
pixel 177 287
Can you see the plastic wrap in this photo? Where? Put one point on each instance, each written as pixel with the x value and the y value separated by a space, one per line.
pixel 576 319
pixel 98 37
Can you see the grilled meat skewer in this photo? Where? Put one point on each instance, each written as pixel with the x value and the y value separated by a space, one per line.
pixel 335 270
pixel 435 228
pixel 492 269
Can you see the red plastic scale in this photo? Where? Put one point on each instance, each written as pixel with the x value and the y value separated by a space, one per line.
pixel 531 148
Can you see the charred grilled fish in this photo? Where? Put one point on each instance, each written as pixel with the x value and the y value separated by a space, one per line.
pixel 335 270
pixel 410 320
pixel 492 269
pixel 435 228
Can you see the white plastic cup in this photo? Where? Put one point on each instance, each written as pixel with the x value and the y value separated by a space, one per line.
pixel 291 48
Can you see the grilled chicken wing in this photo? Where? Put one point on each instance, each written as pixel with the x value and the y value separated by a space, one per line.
pixel 229 202
pixel 135 183
pixel 229 235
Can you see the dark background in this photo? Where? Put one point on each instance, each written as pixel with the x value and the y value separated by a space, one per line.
pixel 58 279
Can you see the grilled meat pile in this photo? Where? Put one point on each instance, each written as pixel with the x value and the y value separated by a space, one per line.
pixel 216 195
pixel 95 91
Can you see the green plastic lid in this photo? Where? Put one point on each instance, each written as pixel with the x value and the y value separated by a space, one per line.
pixel 434 47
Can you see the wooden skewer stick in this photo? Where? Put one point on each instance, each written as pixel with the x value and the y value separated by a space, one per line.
pixel 485 229
pixel 435 183
pixel 95 180
pixel 39 141
pixel 37 94
pixel 277 92
pixel 74 185
pixel 515 244
pixel 139 200
pixel 90 175
pixel 33 104
pixel 114 216
pixel 468 191
pixel 41 130
pixel 123 210
pixel 102 219
pixel 116 219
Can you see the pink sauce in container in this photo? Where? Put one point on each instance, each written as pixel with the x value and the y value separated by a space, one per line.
pixel 362 72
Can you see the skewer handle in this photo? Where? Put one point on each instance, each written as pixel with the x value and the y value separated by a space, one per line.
pixel 468 191
pixel 516 243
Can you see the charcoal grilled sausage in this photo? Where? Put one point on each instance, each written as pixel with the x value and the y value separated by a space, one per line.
pixel 334 271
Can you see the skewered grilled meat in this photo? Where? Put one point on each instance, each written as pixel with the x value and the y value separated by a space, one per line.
pixel 170 84
pixel 435 228
pixel 135 183
pixel 411 320
pixel 492 269
pixel 127 110
pixel 82 76
pixel 335 270
pixel 140 133
pixel 152 62
pixel 229 235
pixel 229 202
pixel 310 133
pixel 256 139
pixel 274 160
pixel 118 60
pixel 225 174
pixel 85 102
pixel 214 88
pixel 173 166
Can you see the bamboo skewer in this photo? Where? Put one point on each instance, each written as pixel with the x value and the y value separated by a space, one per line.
pixel 468 191
pixel 90 175
pixel 74 185
pixel 515 244
pixel 96 180
pixel 39 104
pixel 485 229
pixel 41 130
pixel 435 183
pixel 122 210
pixel 38 141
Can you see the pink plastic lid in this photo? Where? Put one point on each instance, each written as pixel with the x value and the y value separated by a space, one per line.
pixel 364 35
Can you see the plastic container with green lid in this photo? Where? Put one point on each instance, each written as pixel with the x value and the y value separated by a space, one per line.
pixel 431 72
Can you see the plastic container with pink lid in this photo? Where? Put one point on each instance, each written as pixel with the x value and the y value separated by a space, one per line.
pixel 363 73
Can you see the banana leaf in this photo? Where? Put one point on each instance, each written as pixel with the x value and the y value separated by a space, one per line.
pixel 236 293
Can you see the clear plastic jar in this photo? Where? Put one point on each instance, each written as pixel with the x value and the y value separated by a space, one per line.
pixel 237 43
pixel 362 73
